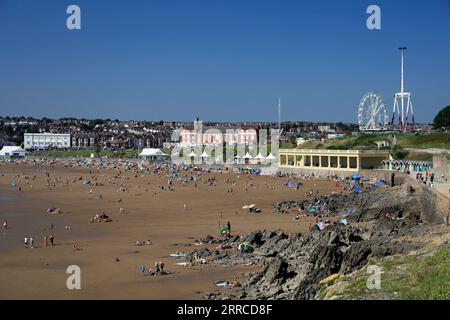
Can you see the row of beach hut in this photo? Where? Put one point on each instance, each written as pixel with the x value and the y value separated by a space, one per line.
pixel 407 165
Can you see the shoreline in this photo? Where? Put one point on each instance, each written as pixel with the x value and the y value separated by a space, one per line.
pixel 151 213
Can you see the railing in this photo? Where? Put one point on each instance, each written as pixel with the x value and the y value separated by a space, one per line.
pixel 330 151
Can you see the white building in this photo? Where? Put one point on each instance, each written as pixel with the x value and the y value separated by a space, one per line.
pixel 152 154
pixel 326 129
pixel 212 136
pixel 217 136
pixel 335 135
pixel 299 141
pixel 10 151
pixel 43 141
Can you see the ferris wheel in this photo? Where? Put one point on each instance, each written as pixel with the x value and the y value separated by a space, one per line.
pixel 372 113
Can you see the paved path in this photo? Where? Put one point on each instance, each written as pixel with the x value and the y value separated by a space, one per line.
pixel 443 188
pixel 430 150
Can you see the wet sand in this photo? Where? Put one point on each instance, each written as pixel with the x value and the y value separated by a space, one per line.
pixel 40 273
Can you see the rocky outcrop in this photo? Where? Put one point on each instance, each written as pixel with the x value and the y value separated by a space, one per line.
pixel 294 265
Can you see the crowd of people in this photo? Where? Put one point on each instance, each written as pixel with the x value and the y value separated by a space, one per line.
pixel 178 176
pixel 426 177
pixel 157 269
pixel 47 240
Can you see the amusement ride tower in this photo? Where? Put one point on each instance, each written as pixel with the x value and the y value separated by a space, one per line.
pixel 402 103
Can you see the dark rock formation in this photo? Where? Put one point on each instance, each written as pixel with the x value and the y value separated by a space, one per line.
pixel 294 265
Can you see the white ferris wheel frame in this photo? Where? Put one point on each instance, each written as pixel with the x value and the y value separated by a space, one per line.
pixel 376 106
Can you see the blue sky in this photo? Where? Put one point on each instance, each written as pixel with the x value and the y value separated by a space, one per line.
pixel 221 60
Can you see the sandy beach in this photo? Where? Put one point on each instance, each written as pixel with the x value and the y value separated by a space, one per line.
pixel 108 256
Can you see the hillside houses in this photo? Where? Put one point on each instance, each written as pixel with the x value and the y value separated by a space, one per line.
pixel 88 134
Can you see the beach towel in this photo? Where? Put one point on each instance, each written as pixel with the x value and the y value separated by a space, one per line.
pixel 222 284
pixel 183 264
pixel 178 255
pixel 223 229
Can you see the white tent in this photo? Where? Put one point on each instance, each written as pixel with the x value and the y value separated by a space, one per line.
pixel 204 155
pixel 152 154
pixel 270 158
pixel 260 157
pixel 247 158
pixel 12 151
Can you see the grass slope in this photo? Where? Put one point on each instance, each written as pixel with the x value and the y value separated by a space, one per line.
pixel 408 277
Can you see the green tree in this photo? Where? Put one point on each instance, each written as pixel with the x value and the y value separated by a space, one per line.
pixel 293 140
pixel 442 119
pixel 398 153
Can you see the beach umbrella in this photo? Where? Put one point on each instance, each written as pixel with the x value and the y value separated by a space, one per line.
pixel 356 176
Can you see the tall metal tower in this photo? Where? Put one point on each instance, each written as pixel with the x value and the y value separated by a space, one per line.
pixel 279 115
pixel 402 99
